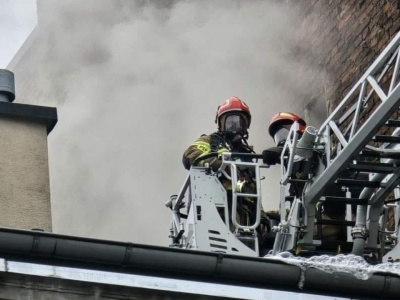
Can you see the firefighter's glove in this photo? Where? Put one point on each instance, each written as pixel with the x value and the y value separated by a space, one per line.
pixel 245 173
pixel 237 143
pixel 272 156
pixel 216 164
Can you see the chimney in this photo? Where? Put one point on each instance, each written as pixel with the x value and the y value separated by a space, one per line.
pixel 24 172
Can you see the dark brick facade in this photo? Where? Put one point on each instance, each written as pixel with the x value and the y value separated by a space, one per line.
pixel 346 37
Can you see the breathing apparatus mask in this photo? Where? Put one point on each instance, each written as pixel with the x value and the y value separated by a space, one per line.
pixel 281 135
pixel 234 126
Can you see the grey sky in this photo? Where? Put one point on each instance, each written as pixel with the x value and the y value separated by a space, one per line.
pixel 17 20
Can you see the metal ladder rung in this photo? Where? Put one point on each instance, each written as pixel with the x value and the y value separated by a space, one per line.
pixel 354 201
pixel 386 139
pixel 247 195
pixel 393 123
pixel 372 167
pixel 364 183
pixel 335 222
pixel 371 153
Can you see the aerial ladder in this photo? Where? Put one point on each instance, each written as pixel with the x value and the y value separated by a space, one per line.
pixel 360 137
pixel 356 150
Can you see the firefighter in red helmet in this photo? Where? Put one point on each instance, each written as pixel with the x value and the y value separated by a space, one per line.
pixel 233 119
pixel 280 126
pixel 278 129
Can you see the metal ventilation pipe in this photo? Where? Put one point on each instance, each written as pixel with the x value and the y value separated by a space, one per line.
pixel 7 86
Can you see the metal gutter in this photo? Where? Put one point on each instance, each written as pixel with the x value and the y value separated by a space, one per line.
pixel 60 250
pixel 127 286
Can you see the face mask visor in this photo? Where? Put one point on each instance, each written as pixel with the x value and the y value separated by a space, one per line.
pixel 281 135
pixel 234 123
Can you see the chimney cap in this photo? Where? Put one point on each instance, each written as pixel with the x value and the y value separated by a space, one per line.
pixel 7 84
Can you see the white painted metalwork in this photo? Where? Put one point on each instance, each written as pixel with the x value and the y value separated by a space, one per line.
pixel 207 226
pixel 343 135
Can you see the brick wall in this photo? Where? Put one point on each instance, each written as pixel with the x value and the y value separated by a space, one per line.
pixel 346 37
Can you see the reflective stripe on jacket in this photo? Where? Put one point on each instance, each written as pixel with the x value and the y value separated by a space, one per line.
pixel 200 147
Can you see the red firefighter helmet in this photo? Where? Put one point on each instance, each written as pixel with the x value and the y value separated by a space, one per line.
pixel 233 104
pixel 285 118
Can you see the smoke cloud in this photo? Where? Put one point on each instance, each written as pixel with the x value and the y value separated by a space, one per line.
pixel 136 82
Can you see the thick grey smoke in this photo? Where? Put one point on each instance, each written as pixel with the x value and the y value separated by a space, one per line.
pixel 135 82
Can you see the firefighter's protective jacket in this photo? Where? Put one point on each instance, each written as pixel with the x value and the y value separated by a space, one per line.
pixel 202 146
pixel 206 144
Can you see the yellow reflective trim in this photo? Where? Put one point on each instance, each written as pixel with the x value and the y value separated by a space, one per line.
pixel 202 146
pixel 222 150
pixel 201 143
